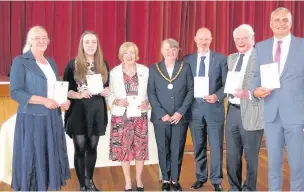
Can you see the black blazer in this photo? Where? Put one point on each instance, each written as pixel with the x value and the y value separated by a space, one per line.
pixel 165 101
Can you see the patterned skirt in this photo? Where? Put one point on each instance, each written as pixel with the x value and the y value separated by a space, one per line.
pixel 129 138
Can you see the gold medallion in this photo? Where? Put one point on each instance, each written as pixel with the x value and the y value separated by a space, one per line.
pixel 170 85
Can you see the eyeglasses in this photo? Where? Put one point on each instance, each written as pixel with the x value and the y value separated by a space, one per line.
pixel 238 39
pixel 44 39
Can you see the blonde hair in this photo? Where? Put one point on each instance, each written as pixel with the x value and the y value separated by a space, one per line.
pixel 125 46
pixel 81 67
pixel 30 34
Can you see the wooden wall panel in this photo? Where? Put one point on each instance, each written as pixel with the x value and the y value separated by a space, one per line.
pixel 8 107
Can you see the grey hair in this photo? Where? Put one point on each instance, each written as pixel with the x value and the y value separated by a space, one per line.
pixel 281 9
pixel 246 27
pixel 30 34
pixel 172 42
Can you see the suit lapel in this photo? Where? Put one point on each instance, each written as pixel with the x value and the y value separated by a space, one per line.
pixel 193 61
pixel 32 65
pixel 121 84
pixel 211 64
pixel 249 68
pixel 163 69
pixel 292 52
pixel 176 68
pixel 267 51
pixel 232 61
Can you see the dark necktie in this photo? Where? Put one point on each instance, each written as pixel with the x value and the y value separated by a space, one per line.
pixel 201 72
pixel 277 56
pixel 239 63
pixel 238 68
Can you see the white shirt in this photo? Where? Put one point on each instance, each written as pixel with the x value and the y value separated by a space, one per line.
pixel 170 71
pixel 284 50
pixel 242 71
pixel 207 61
pixel 50 76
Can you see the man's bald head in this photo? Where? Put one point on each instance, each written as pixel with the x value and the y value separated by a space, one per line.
pixel 203 39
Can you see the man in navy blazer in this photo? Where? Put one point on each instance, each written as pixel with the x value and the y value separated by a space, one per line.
pixel 208 112
pixel 283 107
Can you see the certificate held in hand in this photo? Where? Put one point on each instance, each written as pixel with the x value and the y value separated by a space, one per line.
pixel 270 76
pixel 201 87
pixel 234 81
pixel 132 108
pixel 95 83
pixel 61 89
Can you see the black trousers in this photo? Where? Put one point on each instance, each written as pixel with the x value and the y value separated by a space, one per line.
pixel 238 140
pixel 170 141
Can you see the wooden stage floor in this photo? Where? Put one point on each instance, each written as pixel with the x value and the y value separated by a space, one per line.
pixel 111 178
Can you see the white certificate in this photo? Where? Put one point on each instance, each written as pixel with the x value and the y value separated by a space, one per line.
pixel 61 89
pixel 95 83
pixel 234 81
pixel 201 87
pixel 270 76
pixel 132 108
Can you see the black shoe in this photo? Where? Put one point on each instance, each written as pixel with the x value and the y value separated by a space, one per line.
pixel 217 187
pixel 176 187
pixel 197 185
pixel 140 188
pixel 166 187
pixel 83 188
pixel 90 185
pixel 128 189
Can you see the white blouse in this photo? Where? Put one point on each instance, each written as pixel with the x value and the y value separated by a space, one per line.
pixel 50 76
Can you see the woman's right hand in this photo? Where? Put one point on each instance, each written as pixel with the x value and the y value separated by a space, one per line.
pixel 121 102
pixel 85 94
pixel 50 103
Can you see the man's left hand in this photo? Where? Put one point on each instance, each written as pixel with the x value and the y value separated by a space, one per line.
pixel 211 98
pixel 241 93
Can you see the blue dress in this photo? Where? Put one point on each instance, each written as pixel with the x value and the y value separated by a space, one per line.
pixel 40 160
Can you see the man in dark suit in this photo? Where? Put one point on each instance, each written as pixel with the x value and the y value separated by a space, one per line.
pixel 170 92
pixel 284 107
pixel 208 111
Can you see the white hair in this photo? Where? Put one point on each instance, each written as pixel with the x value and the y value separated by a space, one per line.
pixel 281 9
pixel 246 27
pixel 30 35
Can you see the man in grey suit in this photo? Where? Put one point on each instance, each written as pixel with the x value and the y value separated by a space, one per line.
pixel 170 92
pixel 208 112
pixel 284 107
pixel 244 122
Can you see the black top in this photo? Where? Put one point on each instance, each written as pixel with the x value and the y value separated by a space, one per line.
pixel 78 87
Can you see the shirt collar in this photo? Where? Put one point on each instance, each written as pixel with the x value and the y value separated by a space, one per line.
pixel 248 53
pixel 207 55
pixel 285 39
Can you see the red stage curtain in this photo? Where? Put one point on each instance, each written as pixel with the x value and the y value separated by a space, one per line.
pixel 145 23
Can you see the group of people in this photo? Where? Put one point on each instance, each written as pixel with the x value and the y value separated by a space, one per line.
pixel 169 87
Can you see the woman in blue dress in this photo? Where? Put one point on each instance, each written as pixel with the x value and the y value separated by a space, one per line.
pixel 40 160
